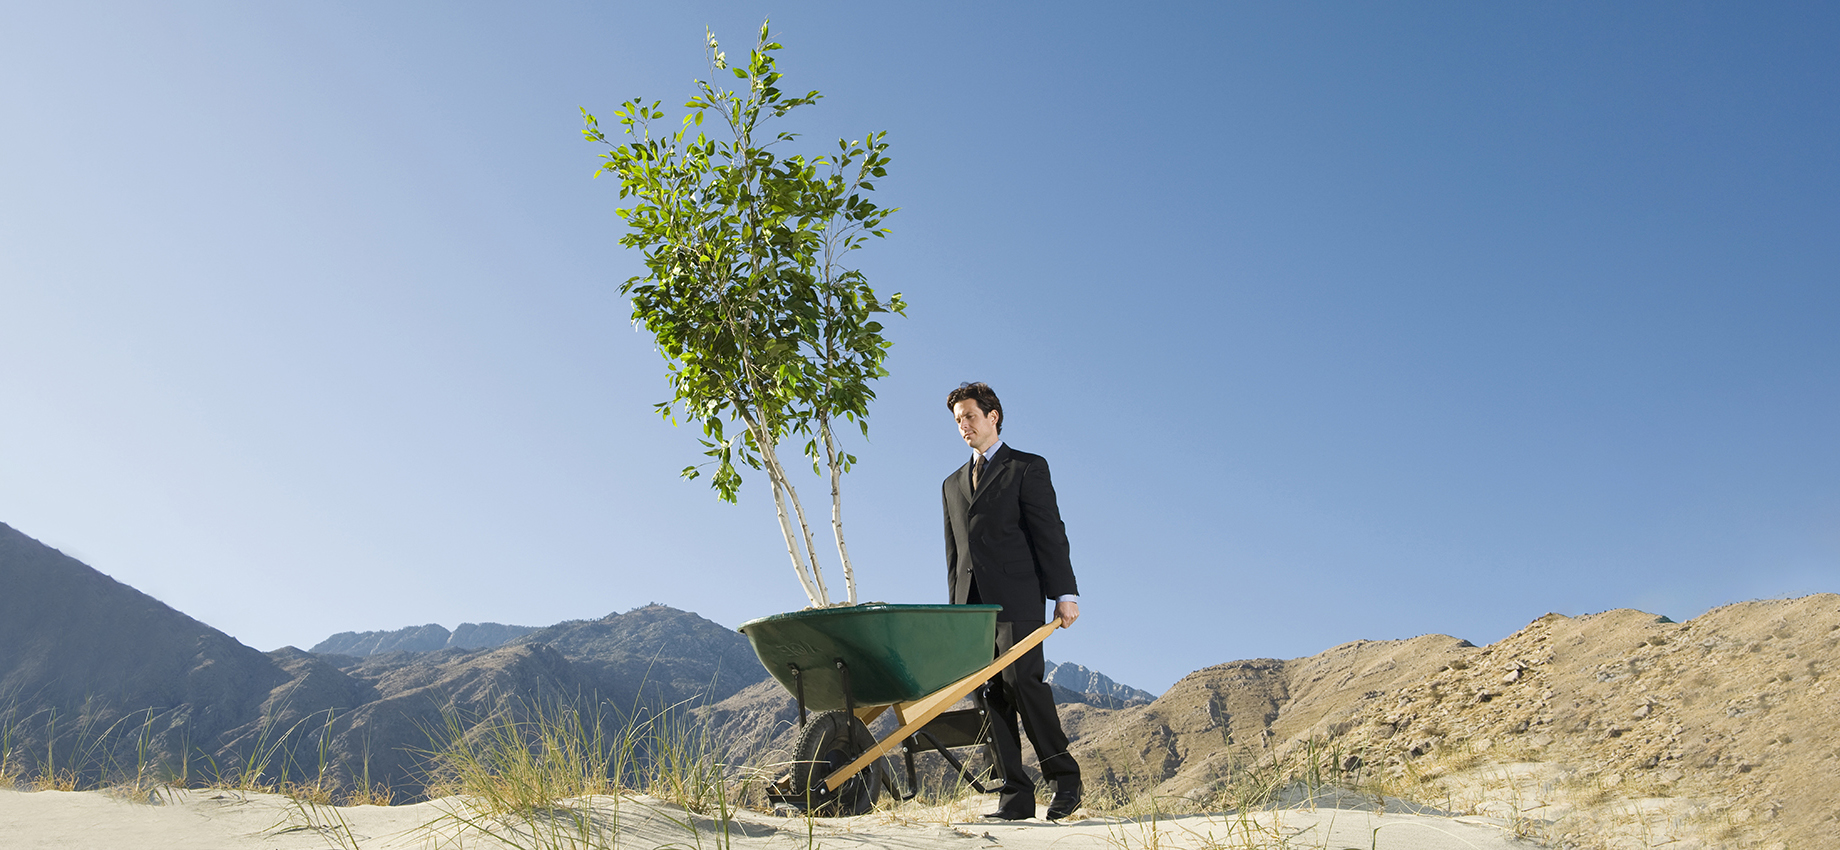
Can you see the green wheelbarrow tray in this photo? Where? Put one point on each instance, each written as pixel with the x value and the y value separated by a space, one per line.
pixel 873 655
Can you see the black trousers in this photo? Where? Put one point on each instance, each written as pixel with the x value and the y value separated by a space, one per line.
pixel 1020 693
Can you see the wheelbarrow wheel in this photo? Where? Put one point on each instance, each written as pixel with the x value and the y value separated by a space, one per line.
pixel 830 741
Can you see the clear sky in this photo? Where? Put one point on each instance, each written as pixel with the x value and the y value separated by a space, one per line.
pixel 1335 321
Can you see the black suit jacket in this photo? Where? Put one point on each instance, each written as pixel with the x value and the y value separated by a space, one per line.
pixel 1007 537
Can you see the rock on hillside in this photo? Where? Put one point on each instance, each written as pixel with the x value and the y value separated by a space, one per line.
pixel 428 638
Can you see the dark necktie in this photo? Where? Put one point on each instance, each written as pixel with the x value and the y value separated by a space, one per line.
pixel 977 470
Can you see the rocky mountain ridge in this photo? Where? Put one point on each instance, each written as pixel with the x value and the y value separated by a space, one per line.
pixel 429 638
pixel 1619 729
pixel 1094 687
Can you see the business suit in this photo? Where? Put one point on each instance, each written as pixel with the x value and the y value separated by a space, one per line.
pixel 1006 545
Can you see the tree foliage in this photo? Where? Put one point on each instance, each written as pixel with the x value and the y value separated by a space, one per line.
pixel 767 334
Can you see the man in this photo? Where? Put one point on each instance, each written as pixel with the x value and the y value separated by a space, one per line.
pixel 1005 545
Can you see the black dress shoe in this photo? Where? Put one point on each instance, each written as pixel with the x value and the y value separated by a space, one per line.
pixel 1066 798
pixel 999 815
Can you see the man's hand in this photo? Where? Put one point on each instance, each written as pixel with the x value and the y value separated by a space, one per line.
pixel 1067 611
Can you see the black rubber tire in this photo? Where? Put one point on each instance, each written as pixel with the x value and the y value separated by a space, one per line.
pixel 830 741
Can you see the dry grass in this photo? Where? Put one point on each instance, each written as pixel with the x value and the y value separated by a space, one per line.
pixel 120 758
pixel 548 776
pixel 367 794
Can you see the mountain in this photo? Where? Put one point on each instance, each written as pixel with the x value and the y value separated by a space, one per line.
pixel 653 655
pixel 428 638
pixel 1188 741
pixel 109 682
pixel 405 702
pixel 81 652
pixel 1721 727
pixel 74 636
pixel 650 658
pixel 1093 687
pixel 657 654
pixel 1605 730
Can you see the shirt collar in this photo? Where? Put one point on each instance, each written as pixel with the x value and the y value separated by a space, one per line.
pixel 990 454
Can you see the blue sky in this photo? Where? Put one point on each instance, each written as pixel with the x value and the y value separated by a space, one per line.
pixel 1335 321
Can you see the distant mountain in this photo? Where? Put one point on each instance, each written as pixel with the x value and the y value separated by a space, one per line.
pixel 653 656
pixel 657 654
pixel 1094 687
pixel 429 638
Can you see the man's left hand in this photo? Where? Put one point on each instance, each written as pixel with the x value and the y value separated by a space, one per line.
pixel 1066 611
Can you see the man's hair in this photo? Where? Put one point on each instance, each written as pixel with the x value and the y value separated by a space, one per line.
pixel 981 393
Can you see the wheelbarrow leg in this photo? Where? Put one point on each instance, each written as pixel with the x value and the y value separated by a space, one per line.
pixel 800 680
pixel 913 780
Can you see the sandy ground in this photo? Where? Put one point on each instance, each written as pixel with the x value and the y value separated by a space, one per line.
pixel 194 820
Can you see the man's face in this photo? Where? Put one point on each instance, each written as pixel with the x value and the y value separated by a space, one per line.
pixel 977 427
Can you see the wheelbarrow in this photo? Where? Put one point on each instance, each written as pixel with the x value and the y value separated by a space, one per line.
pixel 853 664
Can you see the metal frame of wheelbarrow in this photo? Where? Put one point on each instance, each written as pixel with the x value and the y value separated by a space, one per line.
pixel 915 715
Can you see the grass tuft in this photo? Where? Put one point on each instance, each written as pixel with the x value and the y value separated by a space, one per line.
pixel 551 775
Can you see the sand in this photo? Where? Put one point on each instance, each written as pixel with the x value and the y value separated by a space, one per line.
pixel 171 820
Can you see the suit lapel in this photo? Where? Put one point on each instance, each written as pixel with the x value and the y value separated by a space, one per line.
pixel 991 470
pixel 964 481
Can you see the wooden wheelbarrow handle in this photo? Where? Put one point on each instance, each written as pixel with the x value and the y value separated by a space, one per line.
pixel 922 711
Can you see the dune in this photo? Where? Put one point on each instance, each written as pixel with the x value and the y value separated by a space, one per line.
pixel 171 819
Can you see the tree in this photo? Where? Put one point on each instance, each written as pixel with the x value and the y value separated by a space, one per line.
pixel 763 326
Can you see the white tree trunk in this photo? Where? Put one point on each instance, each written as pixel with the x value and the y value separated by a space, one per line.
pixel 814 590
pixel 811 548
pixel 836 467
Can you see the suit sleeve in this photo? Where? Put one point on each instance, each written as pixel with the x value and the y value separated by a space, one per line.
pixel 1041 518
pixel 945 509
